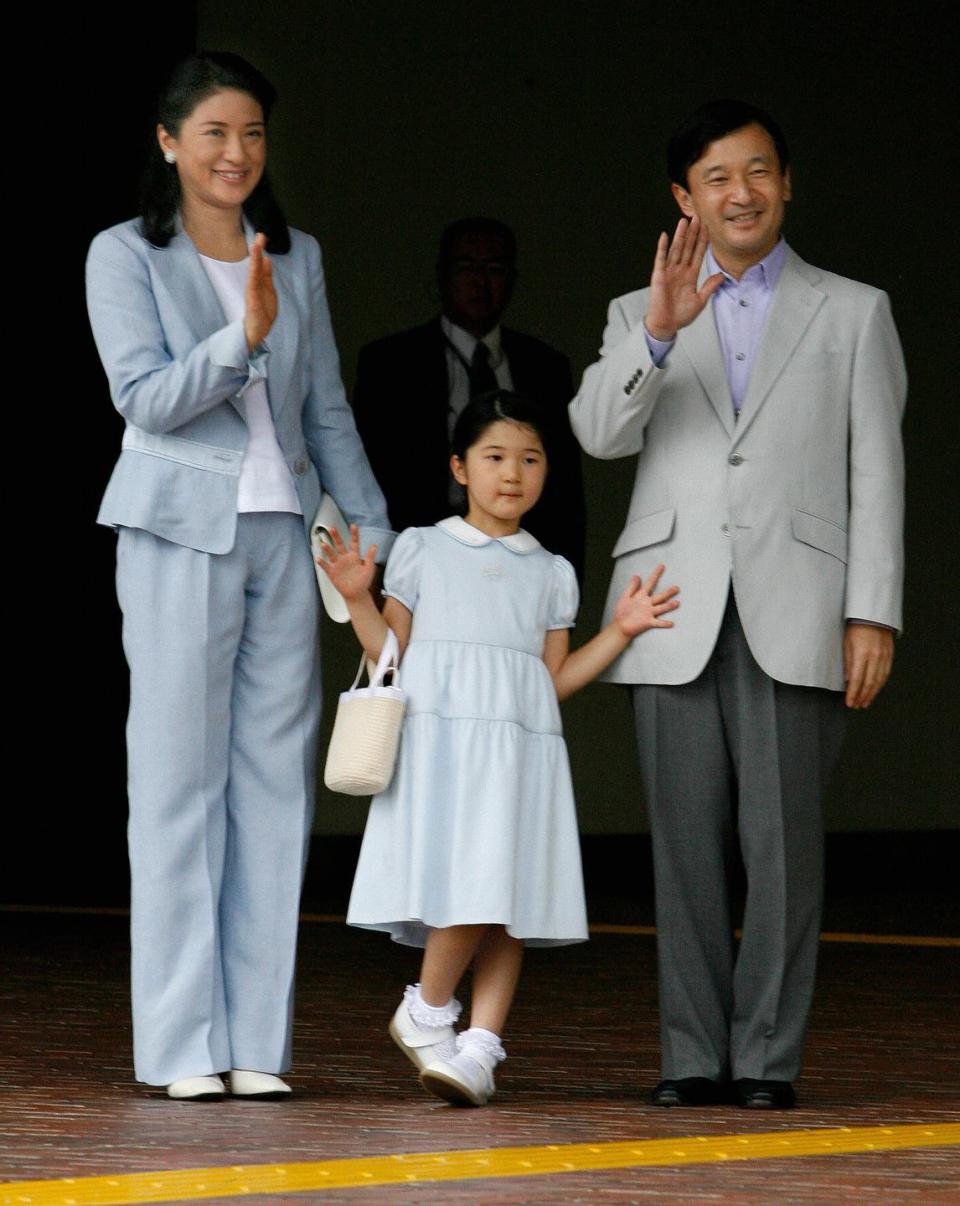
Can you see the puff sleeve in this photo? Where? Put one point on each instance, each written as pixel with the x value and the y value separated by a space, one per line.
pixel 564 597
pixel 401 579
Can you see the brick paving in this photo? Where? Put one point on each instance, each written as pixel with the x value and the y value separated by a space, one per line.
pixel 883 1050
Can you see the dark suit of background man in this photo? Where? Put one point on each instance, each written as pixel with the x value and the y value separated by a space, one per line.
pixel 762 398
pixel 411 387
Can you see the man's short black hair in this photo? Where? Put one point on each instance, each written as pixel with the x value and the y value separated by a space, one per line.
pixel 715 120
pixel 477 225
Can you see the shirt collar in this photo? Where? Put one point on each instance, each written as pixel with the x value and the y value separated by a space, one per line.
pixel 766 273
pixel 464 342
pixel 466 533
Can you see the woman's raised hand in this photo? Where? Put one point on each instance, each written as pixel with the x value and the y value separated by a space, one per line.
pixel 639 608
pixel 350 573
pixel 261 297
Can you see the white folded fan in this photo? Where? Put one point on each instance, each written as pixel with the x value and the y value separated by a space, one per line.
pixel 366 731
pixel 328 516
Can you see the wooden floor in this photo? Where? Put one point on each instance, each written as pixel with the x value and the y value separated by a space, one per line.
pixel 881 1089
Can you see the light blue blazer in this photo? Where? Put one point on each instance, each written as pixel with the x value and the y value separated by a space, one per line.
pixel 177 369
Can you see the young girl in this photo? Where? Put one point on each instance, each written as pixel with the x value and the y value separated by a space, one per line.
pixel 472 851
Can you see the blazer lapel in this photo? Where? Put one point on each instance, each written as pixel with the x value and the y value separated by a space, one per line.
pixel 701 345
pixel 525 380
pixel 795 303
pixel 178 266
pixel 430 367
pixel 282 340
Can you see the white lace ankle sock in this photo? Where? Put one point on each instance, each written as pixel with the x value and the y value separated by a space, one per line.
pixel 482 1046
pixel 430 1017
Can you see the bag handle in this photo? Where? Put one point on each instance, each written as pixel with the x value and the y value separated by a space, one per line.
pixel 388 663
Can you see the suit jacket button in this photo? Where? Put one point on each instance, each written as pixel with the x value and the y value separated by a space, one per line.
pixel 725 529
pixel 736 459
pixel 300 466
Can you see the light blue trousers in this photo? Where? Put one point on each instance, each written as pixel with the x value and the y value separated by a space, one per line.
pixel 221 742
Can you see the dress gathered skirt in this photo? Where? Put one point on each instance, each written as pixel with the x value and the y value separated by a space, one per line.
pixel 478 825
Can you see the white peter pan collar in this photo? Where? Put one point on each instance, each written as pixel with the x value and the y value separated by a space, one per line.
pixel 466 533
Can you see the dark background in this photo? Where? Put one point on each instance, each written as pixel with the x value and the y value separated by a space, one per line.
pixel 396 117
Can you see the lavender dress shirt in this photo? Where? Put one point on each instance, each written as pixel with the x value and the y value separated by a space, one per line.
pixel 740 310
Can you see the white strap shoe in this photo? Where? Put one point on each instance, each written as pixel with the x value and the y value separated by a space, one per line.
pixel 467 1078
pixel 260 1086
pixel 423 1045
pixel 197 1088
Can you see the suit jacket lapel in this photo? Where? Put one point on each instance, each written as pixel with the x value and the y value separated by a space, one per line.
pixel 701 345
pixel 282 340
pixel 431 369
pixel 794 304
pixel 521 375
pixel 178 266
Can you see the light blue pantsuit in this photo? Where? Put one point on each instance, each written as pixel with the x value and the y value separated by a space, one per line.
pixel 220 633
pixel 224 705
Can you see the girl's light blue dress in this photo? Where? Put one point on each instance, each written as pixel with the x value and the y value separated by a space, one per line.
pixel 478 824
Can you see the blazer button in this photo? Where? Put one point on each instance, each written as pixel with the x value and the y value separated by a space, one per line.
pixel 300 466
pixel 736 459
pixel 725 529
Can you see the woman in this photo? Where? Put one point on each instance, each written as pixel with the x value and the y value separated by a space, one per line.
pixel 222 362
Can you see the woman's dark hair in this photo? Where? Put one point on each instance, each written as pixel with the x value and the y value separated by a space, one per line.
pixel 193 81
pixel 493 407
pixel 715 120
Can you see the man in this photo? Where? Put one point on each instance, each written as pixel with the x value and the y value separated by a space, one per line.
pixel 412 386
pixel 763 400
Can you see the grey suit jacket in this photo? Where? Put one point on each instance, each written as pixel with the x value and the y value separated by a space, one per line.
pixel 800 502
pixel 176 369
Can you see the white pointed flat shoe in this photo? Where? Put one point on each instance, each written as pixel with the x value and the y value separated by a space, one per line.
pixel 197 1088
pixel 259 1086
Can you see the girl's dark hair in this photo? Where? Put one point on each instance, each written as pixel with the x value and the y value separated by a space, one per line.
pixel 492 407
pixel 193 81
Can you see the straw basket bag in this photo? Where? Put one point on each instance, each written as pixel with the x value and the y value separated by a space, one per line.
pixel 366 731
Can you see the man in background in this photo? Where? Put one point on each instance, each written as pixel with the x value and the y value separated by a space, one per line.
pixel 412 386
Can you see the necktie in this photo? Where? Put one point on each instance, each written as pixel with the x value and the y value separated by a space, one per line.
pixel 482 377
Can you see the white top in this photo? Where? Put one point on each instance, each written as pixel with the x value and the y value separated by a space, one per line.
pixel 266 483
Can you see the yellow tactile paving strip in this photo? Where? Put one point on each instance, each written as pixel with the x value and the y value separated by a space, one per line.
pixel 194 1184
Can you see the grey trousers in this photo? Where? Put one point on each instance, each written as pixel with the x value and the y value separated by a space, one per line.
pixel 736 758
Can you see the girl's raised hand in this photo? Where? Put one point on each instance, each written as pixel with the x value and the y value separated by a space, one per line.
pixel 639 608
pixel 350 573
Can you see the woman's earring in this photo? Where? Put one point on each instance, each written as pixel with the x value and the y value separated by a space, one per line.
pixel 169 157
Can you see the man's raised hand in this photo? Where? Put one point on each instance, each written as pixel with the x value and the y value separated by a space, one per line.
pixel 675 300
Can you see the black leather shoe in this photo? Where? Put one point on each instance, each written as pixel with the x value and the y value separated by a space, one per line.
pixel 689 1091
pixel 764 1094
